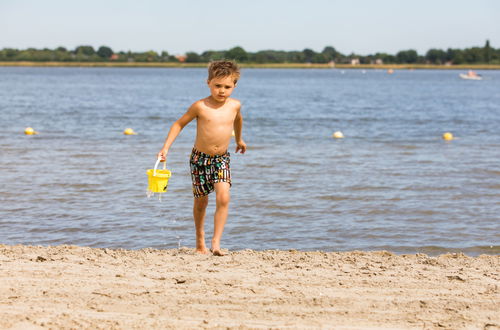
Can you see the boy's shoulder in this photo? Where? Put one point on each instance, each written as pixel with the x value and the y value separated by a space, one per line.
pixel 235 102
pixel 197 105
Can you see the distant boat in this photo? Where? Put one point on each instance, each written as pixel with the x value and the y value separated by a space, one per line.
pixel 471 75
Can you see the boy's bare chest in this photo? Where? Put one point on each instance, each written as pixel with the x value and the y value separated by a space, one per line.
pixel 219 116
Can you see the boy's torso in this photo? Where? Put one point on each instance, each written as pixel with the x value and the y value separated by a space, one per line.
pixel 214 126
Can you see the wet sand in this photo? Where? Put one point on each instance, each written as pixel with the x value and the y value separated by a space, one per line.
pixel 79 287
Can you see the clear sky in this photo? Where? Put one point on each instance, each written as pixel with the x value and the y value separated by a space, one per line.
pixel 360 26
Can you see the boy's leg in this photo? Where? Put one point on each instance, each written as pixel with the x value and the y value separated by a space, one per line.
pixel 222 197
pixel 199 209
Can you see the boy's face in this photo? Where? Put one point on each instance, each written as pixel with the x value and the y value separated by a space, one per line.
pixel 221 88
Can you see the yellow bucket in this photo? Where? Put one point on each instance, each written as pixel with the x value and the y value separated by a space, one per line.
pixel 158 179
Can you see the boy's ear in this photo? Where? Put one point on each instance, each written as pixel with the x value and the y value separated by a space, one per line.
pixel 208 81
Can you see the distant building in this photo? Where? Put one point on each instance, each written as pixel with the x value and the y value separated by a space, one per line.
pixel 379 61
pixel 331 64
pixel 114 57
pixel 354 61
pixel 181 58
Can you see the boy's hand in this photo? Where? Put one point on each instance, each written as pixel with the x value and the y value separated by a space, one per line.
pixel 241 146
pixel 162 155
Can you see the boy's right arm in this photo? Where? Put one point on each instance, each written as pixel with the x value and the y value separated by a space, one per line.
pixel 176 128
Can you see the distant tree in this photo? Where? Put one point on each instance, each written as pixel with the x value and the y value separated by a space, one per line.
pixel 164 56
pixel 85 50
pixel 495 56
pixel 331 53
pixel 308 55
pixel 421 59
pixel 104 52
pixel 269 56
pixel 238 54
pixel 172 58
pixel 474 55
pixel 385 58
pixel 192 57
pixel 25 55
pixel 369 59
pixel 149 56
pixel 32 54
pixel 320 58
pixel 455 56
pixel 213 55
pixel 294 57
pixel 407 56
pixel 487 52
pixel 277 56
pixel 436 56
pixel 62 55
pixel 11 53
pixel 152 56
pixel 129 56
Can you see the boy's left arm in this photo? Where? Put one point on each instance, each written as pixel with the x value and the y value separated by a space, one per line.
pixel 238 124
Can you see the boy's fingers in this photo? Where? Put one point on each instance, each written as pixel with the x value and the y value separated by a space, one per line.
pixel 241 149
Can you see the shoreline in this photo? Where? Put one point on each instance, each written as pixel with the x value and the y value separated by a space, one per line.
pixel 73 287
pixel 253 65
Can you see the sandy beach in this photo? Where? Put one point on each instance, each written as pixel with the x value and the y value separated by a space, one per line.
pixel 78 287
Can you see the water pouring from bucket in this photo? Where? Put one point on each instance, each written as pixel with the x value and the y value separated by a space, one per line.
pixel 158 179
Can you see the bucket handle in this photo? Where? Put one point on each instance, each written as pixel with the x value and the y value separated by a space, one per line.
pixel 156 166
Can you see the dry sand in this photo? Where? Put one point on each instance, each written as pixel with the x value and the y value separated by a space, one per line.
pixel 78 287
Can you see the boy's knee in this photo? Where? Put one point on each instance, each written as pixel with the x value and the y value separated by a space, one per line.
pixel 223 199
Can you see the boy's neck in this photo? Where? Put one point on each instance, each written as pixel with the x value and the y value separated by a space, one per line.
pixel 216 103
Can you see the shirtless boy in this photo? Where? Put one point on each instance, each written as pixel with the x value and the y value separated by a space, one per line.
pixel 217 116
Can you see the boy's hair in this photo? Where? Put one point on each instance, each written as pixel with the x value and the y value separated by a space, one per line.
pixel 224 68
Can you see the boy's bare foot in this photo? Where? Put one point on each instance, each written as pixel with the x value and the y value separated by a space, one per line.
pixel 217 252
pixel 202 250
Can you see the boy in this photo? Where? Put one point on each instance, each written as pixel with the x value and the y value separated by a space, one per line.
pixel 216 116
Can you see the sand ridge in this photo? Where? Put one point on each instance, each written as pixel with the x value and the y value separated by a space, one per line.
pixel 80 287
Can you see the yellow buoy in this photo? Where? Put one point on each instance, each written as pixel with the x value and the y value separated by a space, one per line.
pixel 390 71
pixel 30 131
pixel 338 135
pixel 129 131
pixel 447 136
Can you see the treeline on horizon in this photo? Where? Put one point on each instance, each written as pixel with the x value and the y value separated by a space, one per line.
pixel 473 55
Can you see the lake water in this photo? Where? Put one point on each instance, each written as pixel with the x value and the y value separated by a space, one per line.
pixel 392 183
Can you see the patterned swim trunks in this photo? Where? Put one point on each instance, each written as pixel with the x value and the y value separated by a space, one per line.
pixel 207 170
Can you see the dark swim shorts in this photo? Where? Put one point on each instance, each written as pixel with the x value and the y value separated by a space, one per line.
pixel 207 170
